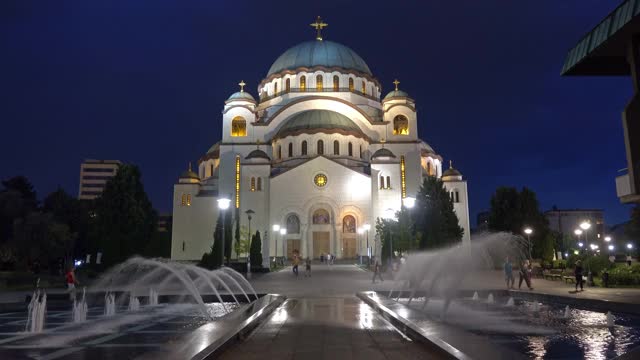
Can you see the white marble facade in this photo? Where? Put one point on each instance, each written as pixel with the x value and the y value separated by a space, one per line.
pixel 329 152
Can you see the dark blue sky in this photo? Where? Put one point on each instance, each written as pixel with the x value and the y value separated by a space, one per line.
pixel 144 81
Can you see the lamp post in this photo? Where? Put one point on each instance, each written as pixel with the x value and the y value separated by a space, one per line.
pixel 585 225
pixel 529 231
pixel 283 232
pixel 366 228
pixel 223 205
pixel 276 229
pixel 360 232
pixel 249 213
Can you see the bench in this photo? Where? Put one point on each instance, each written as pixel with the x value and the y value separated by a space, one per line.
pixel 553 274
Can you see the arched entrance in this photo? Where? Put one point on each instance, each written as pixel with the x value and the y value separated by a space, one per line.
pixel 320 230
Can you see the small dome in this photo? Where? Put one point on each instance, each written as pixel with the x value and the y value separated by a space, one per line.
pixel 319 53
pixel 257 154
pixel 380 153
pixel 451 172
pixel 241 95
pixel 189 174
pixel 395 94
pixel 313 121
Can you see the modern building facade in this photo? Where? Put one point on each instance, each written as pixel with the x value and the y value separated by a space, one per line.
pixel 94 174
pixel 612 48
pixel 566 221
pixel 320 153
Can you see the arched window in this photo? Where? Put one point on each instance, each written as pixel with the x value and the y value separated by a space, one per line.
pixel 253 184
pixel 287 85
pixel 304 148
pixel 429 168
pixel 211 169
pixel 457 196
pixel 400 125
pixel 388 182
pixel 188 199
pixel 259 187
pixel 279 152
pixel 275 88
pixel 364 87
pixel 321 216
pixel 320 149
pixel 290 149
pixel 336 83
pixel 319 84
pixel 350 149
pixel 293 224
pixel 351 86
pixel 303 83
pixel 381 182
pixel 184 200
pixel 336 147
pixel 349 224
pixel 360 151
pixel 238 126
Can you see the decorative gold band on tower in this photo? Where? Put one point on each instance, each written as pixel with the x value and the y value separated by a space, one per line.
pixel 403 182
pixel 237 181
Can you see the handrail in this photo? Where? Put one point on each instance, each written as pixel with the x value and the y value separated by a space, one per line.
pixel 316 90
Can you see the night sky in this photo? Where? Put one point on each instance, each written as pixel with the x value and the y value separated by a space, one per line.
pixel 144 81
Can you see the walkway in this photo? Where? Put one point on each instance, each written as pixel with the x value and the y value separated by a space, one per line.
pixel 323 319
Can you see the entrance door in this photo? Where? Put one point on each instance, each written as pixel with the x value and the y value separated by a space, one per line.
pixel 320 243
pixel 348 248
pixel 292 245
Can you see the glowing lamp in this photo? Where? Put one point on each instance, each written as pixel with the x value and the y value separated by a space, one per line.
pixel 585 225
pixel 223 204
pixel 276 227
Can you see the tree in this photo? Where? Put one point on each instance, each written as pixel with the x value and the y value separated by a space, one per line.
pixel 17 200
pixel 75 214
pixel 436 223
pixel 125 221
pixel 255 253
pixel 512 211
pixel 242 247
pixel 228 235
pixel 398 232
pixel 632 229
pixel 213 259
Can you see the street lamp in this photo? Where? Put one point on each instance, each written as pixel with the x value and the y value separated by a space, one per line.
pixel 580 244
pixel 223 205
pixel 360 232
pixel 607 238
pixel 409 202
pixel 276 229
pixel 366 228
pixel 249 213
pixel 283 232
pixel 629 246
pixel 611 247
pixel 529 231
pixel 585 225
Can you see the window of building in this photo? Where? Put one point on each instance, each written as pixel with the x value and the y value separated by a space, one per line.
pixel 457 196
pixel 360 151
pixel 364 87
pixel 279 152
pixel 319 84
pixel 183 246
pixel 304 147
pixel 351 86
pixel 350 149
pixel 429 168
pixel 253 184
pixel 381 182
pixel 388 182
pixel 336 83
pixel 320 147
pixel 321 216
pixel 259 187
pixel 184 200
pixel 400 125
pixel 349 224
pixel 303 83
pixel 188 199
pixel 293 224
pixel 211 170
pixel 238 126
pixel 287 85
pixel 290 150
pixel 336 147
pixel 275 88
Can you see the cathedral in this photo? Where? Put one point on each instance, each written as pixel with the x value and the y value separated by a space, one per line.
pixel 312 162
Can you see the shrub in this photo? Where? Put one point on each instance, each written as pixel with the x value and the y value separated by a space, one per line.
pixel 596 264
pixel 624 276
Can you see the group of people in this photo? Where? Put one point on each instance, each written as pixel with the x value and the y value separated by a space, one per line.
pixel 296 263
pixel 328 257
pixel 524 273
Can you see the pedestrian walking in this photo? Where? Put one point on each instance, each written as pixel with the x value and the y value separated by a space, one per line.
pixel 578 273
pixel 322 257
pixel 377 272
pixel 296 262
pixel 71 283
pixel 307 265
pixel 524 274
pixel 508 273
pixel 628 260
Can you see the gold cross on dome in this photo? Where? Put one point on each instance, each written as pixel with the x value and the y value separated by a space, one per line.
pixel 396 82
pixel 319 25
pixel 242 84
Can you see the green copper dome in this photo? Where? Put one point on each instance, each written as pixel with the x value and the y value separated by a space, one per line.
pixel 312 121
pixel 396 93
pixel 319 53
pixel 241 95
